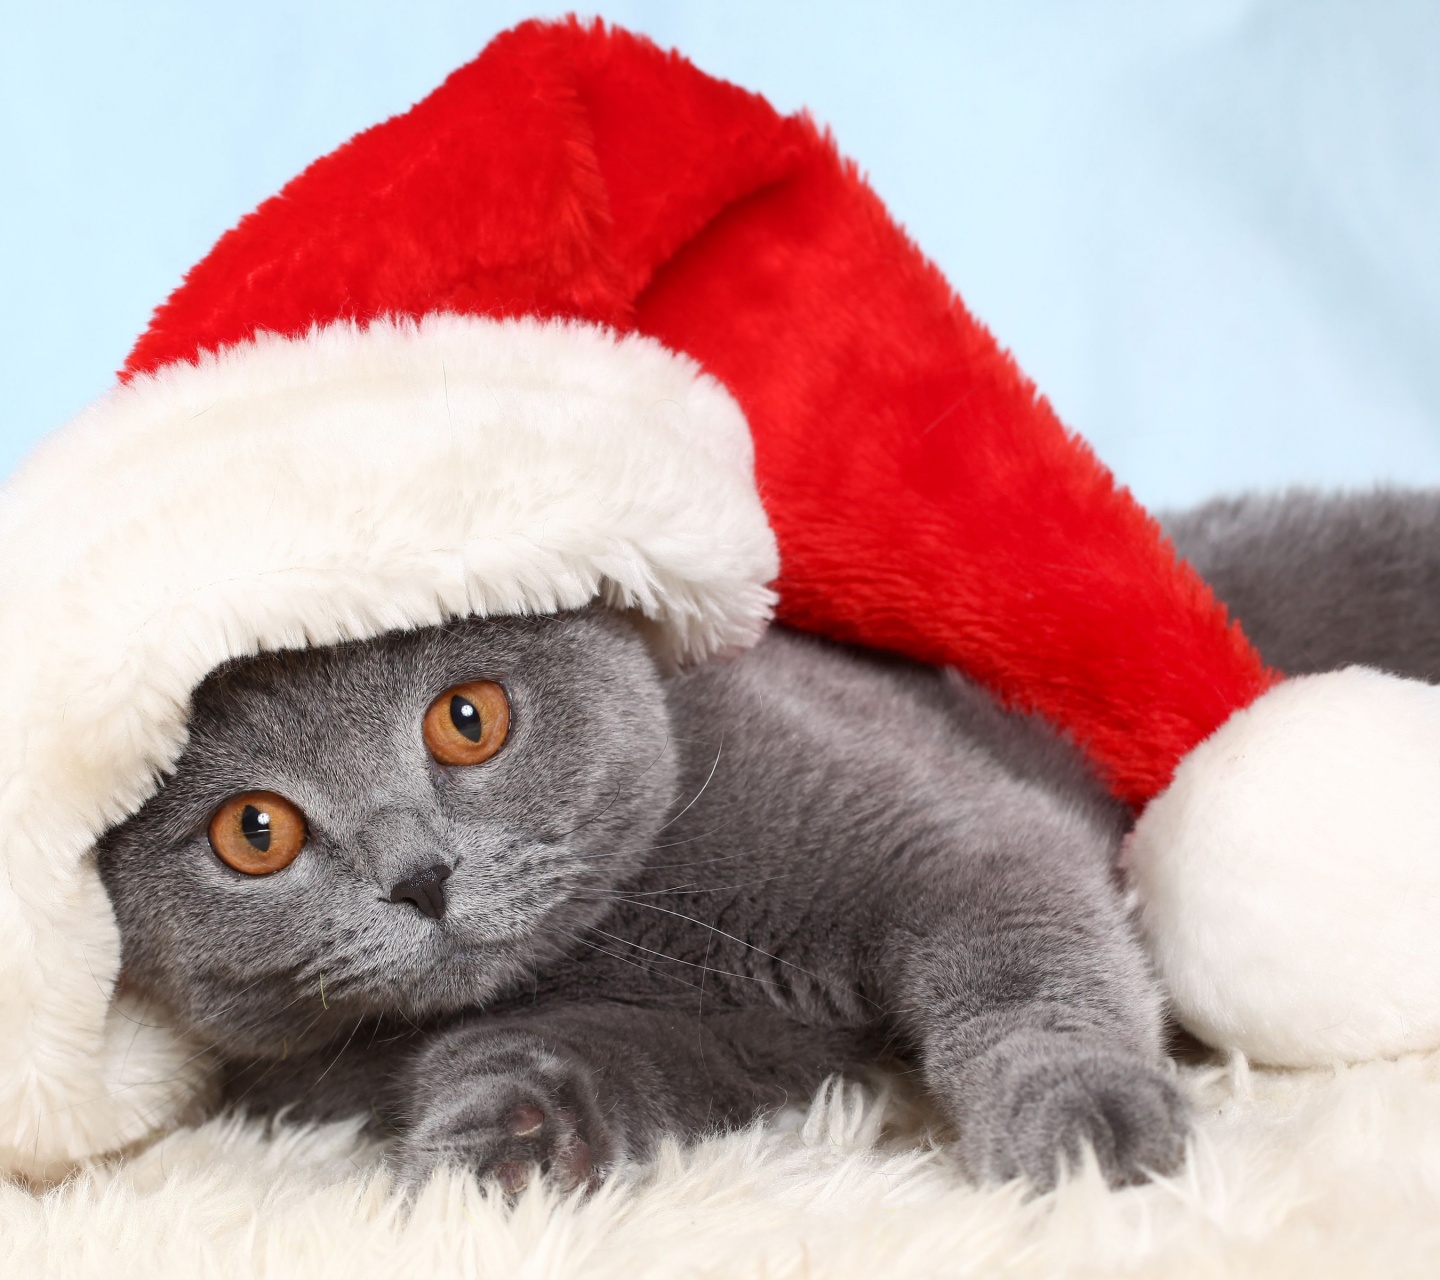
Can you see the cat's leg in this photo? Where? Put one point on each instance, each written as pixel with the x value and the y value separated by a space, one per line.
pixel 1037 1025
pixel 576 1090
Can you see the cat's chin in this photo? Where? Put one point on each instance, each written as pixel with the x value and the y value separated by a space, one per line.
pixel 274 1021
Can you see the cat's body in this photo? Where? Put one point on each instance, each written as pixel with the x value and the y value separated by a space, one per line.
pixel 1320 582
pixel 671 902
pixel 690 897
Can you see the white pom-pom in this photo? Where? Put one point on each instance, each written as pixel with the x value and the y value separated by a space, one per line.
pixel 1289 877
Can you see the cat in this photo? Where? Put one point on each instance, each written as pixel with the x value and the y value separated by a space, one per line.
pixel 527 901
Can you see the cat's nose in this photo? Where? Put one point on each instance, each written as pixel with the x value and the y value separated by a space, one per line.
pixel 426 889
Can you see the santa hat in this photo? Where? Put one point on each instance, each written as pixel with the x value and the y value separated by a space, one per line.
pixel 586 323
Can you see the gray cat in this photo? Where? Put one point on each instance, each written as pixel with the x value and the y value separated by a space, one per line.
pixel 527 901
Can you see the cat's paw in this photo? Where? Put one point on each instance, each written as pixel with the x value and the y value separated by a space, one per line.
pixel 1046 1098
pixel 510 1128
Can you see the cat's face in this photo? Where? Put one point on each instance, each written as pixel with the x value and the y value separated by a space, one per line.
pixel 514 855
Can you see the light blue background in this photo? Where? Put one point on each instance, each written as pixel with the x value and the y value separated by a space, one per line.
pixel 1210 230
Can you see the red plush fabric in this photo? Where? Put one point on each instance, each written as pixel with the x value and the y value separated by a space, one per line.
pixel 925 498
pixel 550 176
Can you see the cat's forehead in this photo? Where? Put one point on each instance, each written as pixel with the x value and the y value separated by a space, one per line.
pixel 295 703
pixel 388 664
pixel 341 725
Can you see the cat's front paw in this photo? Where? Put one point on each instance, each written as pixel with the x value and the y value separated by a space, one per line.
pixel 511 1127
pixel 1043 1099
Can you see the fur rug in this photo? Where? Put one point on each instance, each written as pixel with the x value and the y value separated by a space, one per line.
pixel 1305 1174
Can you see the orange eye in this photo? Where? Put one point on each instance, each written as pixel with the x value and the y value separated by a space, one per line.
pixel 257 832
pixel 467 724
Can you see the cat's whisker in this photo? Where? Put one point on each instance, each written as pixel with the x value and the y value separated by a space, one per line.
pixel 619 790
pixel 704 786
pixel 660 955
pixel 749 946
pixel 240 1028
pixel 265 1015
pixel 630 960
pixel 693 889
pixel 339 1053
pixel 274 1063
pixel 693 964
pixel 616 854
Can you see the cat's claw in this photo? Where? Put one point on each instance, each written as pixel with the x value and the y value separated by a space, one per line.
pixel 1044 1110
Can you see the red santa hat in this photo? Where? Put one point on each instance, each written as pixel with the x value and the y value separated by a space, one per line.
pixel 586 323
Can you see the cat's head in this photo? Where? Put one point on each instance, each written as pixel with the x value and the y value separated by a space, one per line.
pixel 325 847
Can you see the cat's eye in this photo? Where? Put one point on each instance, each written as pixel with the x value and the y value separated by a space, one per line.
pixel 257 832
pixel 467 724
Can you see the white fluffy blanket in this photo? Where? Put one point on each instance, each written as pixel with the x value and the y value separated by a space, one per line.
pixel 1313 1174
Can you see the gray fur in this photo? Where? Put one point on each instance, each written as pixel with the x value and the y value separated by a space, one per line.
pixel 1320 581
pixel 675 903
